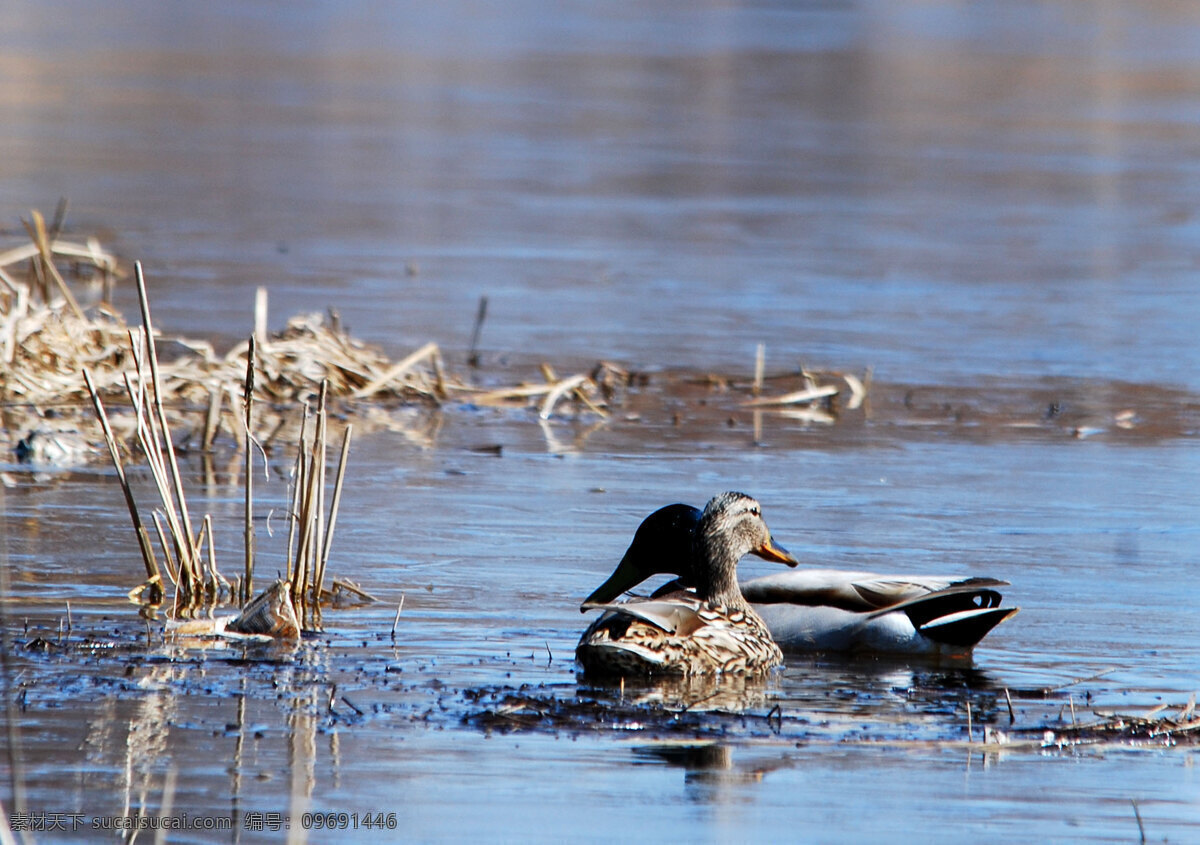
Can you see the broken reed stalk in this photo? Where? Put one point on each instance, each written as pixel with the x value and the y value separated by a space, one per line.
pixel 295 537
pixel 306 528
pixel 260 315
pixel 37 233
pixel 149 438
pixel 1137 815
pixel 294 510
pixel 333 514
pixel 559 390
pixel 201 538
pixel 211 421
pixel 312 519
pixel 309 537
pixel 160 410
pixel 60 218
pixel 305 525
pixel 319 450
pixel 247 406
pixel 480 316
pixel 153 576
pixel 396 621
pixel 760 366
pixel 175 477
pixel 796 397
pixel 396 371
pixel 172 570
pixel 219 582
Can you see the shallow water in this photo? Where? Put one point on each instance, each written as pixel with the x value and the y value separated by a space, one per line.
pixel 991 206
pixel 493 554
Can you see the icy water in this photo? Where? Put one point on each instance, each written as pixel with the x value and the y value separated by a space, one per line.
pixel 992 206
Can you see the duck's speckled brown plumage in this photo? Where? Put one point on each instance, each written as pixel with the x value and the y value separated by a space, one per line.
pixel 723 640
pixel 713 630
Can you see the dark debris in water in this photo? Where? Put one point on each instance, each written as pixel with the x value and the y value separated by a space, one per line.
pixel 1153 729
pixel 580 709
pixel 676 712
pixel 389 689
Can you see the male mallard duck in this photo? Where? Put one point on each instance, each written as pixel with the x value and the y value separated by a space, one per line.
pixel 825 609
pixel 711 630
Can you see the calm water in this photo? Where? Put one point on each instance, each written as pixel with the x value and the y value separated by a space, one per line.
pixel 957 196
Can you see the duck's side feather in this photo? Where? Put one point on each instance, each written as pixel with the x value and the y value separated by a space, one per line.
pixel 683 636
pixel 672 617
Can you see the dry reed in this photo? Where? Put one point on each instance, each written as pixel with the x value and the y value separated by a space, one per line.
pixel 196 577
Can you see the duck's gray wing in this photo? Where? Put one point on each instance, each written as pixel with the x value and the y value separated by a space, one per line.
pixel 861 592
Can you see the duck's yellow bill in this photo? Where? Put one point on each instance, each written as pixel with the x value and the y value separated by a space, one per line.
pixel 770 550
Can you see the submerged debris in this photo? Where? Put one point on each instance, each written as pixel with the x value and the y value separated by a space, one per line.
pixel 1156 727
pixel 271 613
pixel 662 709
pixel 582 709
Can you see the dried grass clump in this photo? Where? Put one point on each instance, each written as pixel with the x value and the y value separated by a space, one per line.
pixel 47 339
pixel 593 392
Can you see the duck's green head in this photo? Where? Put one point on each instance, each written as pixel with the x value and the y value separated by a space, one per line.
pixel 663 545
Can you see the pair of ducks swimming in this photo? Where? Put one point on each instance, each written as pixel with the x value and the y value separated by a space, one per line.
pixel 706 622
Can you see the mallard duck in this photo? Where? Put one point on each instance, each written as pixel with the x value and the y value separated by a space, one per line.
pixel 825 609
pixel 712 629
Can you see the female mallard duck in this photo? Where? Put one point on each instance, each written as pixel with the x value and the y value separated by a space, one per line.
pixel 825 609
pixel 710 630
